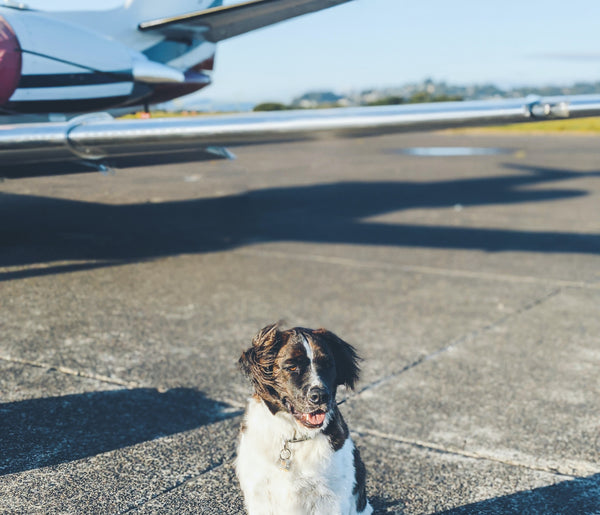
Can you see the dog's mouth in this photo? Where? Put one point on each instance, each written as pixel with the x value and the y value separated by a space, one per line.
pixel 311 420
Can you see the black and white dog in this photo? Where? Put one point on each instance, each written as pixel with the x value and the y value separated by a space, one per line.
pixel 295 454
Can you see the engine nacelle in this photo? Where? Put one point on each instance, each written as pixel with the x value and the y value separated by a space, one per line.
pixel 10 61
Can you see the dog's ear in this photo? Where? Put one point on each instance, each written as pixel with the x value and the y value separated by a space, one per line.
pixel 257 362
pixel 266 337
pixel 345 356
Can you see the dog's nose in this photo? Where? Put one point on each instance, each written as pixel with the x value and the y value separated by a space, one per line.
pixel 318 395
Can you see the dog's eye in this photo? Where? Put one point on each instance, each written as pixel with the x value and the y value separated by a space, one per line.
pixel 291 368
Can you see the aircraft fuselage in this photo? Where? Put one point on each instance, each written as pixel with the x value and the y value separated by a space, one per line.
pixel 51 64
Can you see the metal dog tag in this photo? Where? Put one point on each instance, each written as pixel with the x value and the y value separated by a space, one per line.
pixel 285 458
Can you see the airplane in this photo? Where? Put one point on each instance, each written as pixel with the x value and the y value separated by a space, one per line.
pixel 149 51
pixel 136 54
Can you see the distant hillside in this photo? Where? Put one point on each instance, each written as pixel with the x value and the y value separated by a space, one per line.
pixel 207 105
pixel 431 91
pixel 316 99
pixel 424 91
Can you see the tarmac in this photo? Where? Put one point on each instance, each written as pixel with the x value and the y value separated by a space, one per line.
pixel 469 284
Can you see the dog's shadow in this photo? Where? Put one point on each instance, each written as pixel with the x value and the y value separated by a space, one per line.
pixel 42 432
pixel 385 506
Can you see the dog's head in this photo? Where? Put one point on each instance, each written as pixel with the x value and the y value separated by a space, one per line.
pixel 298 371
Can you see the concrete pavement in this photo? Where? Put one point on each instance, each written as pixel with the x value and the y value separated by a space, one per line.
pixel 469 284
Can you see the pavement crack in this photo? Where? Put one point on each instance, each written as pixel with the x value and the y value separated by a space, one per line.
pixel 177 485
pixel 455 343
pixel 71 372
pixel 550 468
pixel 421 269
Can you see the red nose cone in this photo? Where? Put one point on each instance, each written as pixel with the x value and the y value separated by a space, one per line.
pixel 10 61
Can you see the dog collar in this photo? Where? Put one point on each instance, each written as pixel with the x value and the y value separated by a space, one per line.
pixel 285 456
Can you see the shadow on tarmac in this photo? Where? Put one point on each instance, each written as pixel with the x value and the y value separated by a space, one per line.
pixel 171 155
pixel 49 234
pixel 579 496
pixel 42 432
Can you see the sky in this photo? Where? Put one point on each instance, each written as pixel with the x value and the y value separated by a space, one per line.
pixel 382 43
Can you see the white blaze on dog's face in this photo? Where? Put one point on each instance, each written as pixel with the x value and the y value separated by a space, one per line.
pixel 298 371
pixel 305 375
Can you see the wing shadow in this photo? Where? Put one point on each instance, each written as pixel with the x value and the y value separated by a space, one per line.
pixel 51 231
pixel 579 496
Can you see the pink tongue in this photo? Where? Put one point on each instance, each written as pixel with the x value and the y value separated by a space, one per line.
pixel 315 419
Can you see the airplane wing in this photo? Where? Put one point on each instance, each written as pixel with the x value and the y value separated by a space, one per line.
pixel 99 137
pixel 225 22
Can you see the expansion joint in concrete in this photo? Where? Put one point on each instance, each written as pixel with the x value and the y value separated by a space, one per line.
pixel 176 486
pixel 458 341
pixel 71 372
pixel 555 469
pixel 420 269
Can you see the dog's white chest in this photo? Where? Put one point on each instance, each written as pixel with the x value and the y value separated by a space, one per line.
pixel 317 480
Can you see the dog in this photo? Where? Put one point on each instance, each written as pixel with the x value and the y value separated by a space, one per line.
pixel 295 455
